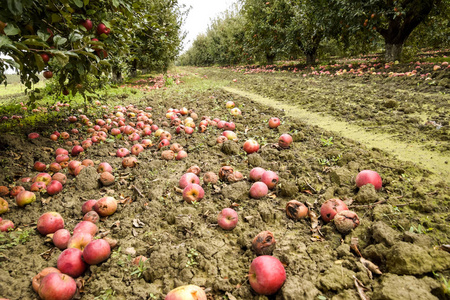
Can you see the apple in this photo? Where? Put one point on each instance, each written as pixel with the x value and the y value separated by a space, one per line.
pixel 50 222
pixel 96 252
pixel 274 122
pixel 76 150
pixel 296 210
pixel 330 208
pixel 60 177
pixel 38 187
pixel 256 173
pixel 230 105
pixel 87 24
pixel 91 216
pixel 47 74
pixel 194 169
pixel 285 141
pixel 36 281
pixel 188 178
pixel 181 155
pixel 70 262
pixel 24 198
pixel 115 131
pixel 3 206
pixel 175 147
pixel 229 126
pixel 43 177
pixel 270 178
pixel 368 176
pixel 258 190
pixel 6 225
pixel 85 227
pixel 61 238
pixel 122 152
pixel 79 240
pixel 104 167
pixel 57 286
pixel 186 292
pixel 188 130
pixel 54 167
pixel 193 193
pixel 129 162
pixel 136 149
pixel 87 163
pixel 88 206
pixel 16 190
pixel 33 135
pixel 102 29
pixel 264 243
pixel 251 146
pixel 227 219
pixel 105 206
pixel 235 111
pixel 45 57
pixel 266 275
pixel 107 178
pixel 4 190
pixel 39 166
pixel 230 135
pixel 210 177
pixel 62 158
pixel 55 187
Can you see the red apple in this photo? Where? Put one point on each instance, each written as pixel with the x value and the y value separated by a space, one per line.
pixel 96 252
pixel 54 167
pixel 57 286
pixel 267 275
pixel 50 222
pixel 45 57
pixel 136 149
pixel 107 178
pixel 61 151
pixel 368 176
pixel 40 166
pixel 87 24
pixel 256 173
pixel 70 262
pixel 6 225
pixel 251 146
pixel 122 152
pixel 62 158
pixel 79 240
pixel 258 190
pixel 129 162
pixel 230 105
pixel 330 208
pixel 87 163
pixel 188 130
pixel 16 190
pixel 285 141
pixel 86 227
pixel 91 216
pixel 76 150
pixel 210 177
pixel 181 155
pixel 186 292
pixel 270 178
pixel 36 281
pixel 104 167
pixel 43 177
pixel 38 187
pixel 33 135
pixel 60 177
pixel 88 206
pixel 264 243
pixel 48 74
pixel 229 126
pixel 105 206
pixel 227 219
pixel 193 193
pixel 24 198
pixel 274 122
pixel 102 29
pixel 296 210
pixel 61 238
pixel 54 187
pixel 115 131
pixel 230 135
pixel 188 178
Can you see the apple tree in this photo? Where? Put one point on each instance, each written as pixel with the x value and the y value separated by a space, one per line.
pixel 394 20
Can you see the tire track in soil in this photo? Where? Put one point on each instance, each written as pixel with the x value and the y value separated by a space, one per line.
pixel 434 162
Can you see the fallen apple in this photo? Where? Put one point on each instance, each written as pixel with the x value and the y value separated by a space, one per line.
pixel 330 208
pixel 266 275
pixel 186 292
pixel 227 219
pixel 70 262
pixel 368 176
pixel 57 286
pixel 50 222
pixel 96 252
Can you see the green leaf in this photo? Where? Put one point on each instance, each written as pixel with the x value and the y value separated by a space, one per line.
pixel 86 2
pixel 56 18
pixel 78 3
pixel 116 3
pixel 11 29
pixel 73 37
pixel 39 62
pixel 21 46
pixel 15 7
pixel 61 57
pixel 4 40
pixel 59 40
pixel 33 42
pixel 43 35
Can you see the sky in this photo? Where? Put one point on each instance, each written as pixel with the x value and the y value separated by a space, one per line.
pixel 200 16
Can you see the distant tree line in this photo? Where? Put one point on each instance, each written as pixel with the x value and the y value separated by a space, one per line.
pixel 263 31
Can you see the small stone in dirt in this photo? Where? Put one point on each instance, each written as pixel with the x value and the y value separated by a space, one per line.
pixel 230 148
pixel 288 188
pixel 130 251
pixel 336 278
pixel 292 290
pixel 393 287
pixel 366 194
pixel 384 234
pixel 87 179
pixel 408 259
pixel 235 191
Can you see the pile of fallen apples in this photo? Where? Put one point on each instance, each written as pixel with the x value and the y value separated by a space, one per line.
pixel 81 248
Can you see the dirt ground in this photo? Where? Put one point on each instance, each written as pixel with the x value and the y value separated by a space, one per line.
pixel 403 229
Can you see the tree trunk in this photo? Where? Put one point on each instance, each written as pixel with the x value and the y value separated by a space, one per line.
pixel 311 58
pixel 133 70
pixel 116 75
pixel 393 52
pixel 270 58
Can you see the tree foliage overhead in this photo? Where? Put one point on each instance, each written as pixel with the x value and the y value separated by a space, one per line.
pixel 50 35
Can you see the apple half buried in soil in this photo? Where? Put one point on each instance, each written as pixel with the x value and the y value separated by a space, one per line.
pixel 368 176
pixel 266 275
pixel 186 292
